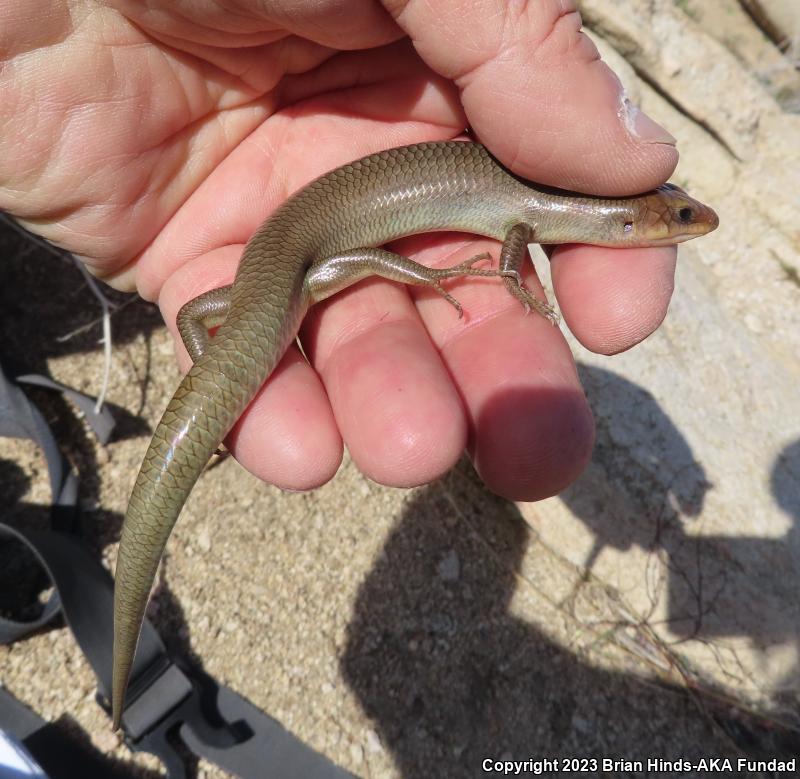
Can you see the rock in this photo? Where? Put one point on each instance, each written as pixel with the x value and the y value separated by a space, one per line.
pixel 730 24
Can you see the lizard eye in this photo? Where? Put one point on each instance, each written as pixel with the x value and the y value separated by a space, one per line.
pixel 685 214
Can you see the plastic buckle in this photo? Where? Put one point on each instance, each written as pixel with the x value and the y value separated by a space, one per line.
pixel 164 698
pixel 161 697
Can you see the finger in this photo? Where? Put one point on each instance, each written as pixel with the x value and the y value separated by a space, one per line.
pixel 288 435
pixel 613 298
pixel 536 92
pixel 394 401
pixel 531 430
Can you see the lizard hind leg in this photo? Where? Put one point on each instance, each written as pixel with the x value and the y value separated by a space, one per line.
pixel 198 315
pixel 333 274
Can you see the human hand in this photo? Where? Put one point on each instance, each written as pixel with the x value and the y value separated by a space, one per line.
pixel 153 140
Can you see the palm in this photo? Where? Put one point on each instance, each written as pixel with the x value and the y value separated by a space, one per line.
pixel 143 125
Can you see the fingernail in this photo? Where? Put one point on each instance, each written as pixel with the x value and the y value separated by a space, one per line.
pixel 641 126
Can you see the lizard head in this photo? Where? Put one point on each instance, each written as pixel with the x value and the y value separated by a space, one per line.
pixel 667 215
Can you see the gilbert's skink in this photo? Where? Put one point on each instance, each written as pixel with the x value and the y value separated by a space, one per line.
pixel 317 243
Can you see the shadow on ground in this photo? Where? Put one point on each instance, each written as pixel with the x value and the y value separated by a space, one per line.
pixel 451 677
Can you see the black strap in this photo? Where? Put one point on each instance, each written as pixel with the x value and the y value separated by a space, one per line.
pixel 19 418
pixel 165 702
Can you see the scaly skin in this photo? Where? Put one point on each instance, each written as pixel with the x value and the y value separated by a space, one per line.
pixel 395 193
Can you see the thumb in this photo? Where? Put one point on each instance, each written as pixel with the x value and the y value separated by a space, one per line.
pixel 536 92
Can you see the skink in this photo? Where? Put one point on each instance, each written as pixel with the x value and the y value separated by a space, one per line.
pixel 318 242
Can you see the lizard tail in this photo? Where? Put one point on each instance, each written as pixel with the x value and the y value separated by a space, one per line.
pixel 201 413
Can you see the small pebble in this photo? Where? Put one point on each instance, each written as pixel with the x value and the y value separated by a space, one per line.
pixel 373 742
pixel 356 753
pixel 449 567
